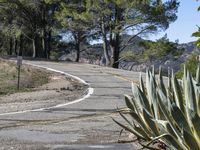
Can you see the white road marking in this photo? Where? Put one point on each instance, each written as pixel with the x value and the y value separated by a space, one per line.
pixel 90 92
pixel 101 146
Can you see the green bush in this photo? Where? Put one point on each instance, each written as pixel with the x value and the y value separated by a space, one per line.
pixel 153 50
pixel 54 55
pixel 169 115
pixel 192 64
pixel 131 56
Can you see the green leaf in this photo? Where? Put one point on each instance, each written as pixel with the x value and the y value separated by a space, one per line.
pixel 196 126
pixel 142 84
pixel 189 93
pixel 141 122
pixel 130 124
pixel 190 141
pixel 129 104
pixel 153 97
pixel 198 75
pixel 140 98
pixel 142 132
pixel 179 118
pixel 163 102
pixel 131 130
pixel 177 93
pixel 196 34
pixel 174 142
pixel 171 130
pixel 161 82
pixel 167 113
pixel 149 121
pixel 170 140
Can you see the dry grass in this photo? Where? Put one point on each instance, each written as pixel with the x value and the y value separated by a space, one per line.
pixel 30 78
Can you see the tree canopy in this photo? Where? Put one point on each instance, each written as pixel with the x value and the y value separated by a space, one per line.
pixel 153 50
pixel 32 27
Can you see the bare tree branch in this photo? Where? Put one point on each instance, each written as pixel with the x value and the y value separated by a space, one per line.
pixel 134 36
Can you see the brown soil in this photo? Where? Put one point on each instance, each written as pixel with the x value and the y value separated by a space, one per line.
pixel 37 85
pixel 30 77
pixel 58 88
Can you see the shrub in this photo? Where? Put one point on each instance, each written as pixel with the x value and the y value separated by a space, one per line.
pixel 131 56
pixel 54 55
pixel 167 114
pixel 191 64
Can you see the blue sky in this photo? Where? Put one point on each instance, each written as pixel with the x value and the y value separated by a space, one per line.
pixel 185 25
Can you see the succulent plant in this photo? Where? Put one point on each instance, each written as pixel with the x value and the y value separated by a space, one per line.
pixel 165 112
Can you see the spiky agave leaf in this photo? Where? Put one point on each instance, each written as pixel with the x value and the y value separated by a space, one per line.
pixel 177 93
pixel 179 118
pixel 161 84
pixel 140 98
pixel 142 84
pixel 198 76
pixel 178 106
pixel 190 141
pixel 189 93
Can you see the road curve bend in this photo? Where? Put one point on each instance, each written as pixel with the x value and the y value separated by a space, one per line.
pixel 83 124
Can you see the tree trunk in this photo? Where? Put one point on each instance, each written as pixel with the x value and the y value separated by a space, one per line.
pixel 115 39
pixel 115 49
pixel 34 44
pixel 11 46
pixel 16 45
pixel 34 50
pixel 77 51
pixel 21 44
pixel 49 44
pixel 77 46
pixel 44 33
pixel 44 43
pixel 105 47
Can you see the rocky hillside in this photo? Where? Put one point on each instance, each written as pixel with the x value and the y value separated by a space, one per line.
pixel 166 62
pixel 94 54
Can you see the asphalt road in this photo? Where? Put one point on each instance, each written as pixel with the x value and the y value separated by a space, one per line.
pixel 83 125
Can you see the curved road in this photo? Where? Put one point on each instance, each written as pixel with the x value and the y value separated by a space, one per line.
pixel 83 125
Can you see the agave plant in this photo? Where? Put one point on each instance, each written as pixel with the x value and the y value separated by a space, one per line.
pixel 165 112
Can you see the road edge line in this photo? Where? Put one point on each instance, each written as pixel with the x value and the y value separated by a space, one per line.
pixel 90 91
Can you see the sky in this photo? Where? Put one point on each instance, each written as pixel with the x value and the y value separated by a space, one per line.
pixel 185 25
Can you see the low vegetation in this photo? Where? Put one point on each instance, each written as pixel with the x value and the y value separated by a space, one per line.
pixel 191 63
pixel 30 78
pixel 153 50
pixel 167 115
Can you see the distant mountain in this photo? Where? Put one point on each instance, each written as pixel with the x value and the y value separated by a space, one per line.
pixel 134 43
pixel 189 47
pixel 167 62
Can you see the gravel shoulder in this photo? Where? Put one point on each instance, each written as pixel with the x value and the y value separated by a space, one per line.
pixel 59 89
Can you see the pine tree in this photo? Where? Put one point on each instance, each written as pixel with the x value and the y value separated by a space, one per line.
pixel 74 17
pixel 116 17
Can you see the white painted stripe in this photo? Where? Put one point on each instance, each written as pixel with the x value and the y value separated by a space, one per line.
pixel 101 146
pixel 61 72
pixel 89 93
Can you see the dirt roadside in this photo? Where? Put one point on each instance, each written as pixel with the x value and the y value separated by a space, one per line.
pixel 59 89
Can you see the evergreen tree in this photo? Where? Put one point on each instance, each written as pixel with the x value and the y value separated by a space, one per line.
pixel 116 17
pixel 32 20
pixel 74 18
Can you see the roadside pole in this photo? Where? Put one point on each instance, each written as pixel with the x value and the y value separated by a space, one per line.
pixel 19 63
